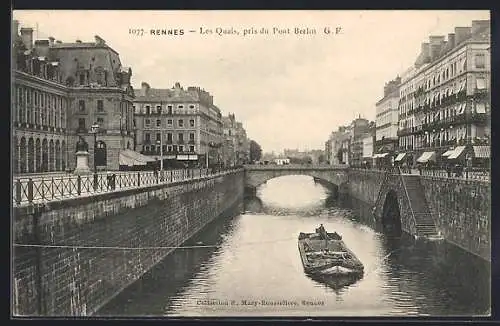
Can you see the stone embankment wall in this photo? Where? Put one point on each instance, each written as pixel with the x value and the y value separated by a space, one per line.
pixel 460 208
pixel 89 247
pixel 462 212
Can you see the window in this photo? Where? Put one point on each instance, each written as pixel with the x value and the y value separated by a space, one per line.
pixel 191 148
pixel 181 138
pixel 134 123
pixel 158 136
pixel 169 109
pixel 480 61
pixel 81 123
pixel 180 106
pixel 147 122
pixel 82 79
pixel 169 122
pixel 100 121
pixel 158 122
pixel 191 106
pixel 181 148
pixel 148 109
pixel 191 123
pixel 169 137
pixel 81 105
pixel 158 109
pixel 181 123
pixel 100 105
pixel 147 137
pixel 191 136
pixel 169 148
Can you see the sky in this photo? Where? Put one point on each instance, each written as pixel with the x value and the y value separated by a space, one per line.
pixel 289 90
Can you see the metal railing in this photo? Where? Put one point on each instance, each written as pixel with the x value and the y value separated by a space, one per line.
pixel 33 191
pixel 470 173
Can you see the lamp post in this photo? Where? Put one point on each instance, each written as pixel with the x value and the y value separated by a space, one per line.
pixel 94 129
pixel 160 142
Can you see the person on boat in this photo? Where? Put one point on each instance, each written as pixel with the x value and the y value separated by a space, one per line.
pixel 322 232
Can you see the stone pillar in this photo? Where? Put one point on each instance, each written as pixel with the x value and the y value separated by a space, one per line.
pixel 82 163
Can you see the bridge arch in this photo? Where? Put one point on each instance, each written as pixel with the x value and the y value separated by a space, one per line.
pixel 391 215
pixel 258 175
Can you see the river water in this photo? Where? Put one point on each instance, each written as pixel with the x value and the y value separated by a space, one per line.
pixel 254 268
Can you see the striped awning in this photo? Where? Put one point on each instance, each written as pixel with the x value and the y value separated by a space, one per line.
pixel 456 152
pixel 448 152
pixel 400 157
pixel 130 158
pixel 481 151
pixel 128 161
pixel 427 156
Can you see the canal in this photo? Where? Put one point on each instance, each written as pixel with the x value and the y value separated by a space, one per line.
pixel 249 265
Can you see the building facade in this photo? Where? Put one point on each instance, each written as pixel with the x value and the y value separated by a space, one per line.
pixel 445 97
pixel 59 91
pixel 181 124
pixel 236 146
pixel 387 118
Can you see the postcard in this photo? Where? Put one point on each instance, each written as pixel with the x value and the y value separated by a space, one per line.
pixel 251 163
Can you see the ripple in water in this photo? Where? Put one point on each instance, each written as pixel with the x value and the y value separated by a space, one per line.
pixel 255 258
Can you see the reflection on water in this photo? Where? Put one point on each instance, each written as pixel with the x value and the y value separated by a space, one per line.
pixel 254 268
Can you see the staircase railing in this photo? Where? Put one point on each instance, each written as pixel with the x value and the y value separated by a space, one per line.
pixel 379 196
pixel 407 196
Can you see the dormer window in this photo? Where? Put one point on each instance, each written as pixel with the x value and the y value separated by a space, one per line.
pixel 82 79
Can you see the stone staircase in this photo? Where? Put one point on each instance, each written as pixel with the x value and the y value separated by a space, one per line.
pixel 423 218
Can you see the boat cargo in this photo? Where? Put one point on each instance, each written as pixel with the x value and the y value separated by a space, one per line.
pixel 324 253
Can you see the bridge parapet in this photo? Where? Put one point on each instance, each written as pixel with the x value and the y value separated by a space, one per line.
pixel 295 167
pixel 255 175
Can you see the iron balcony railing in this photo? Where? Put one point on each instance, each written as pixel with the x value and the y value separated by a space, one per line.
pixel 45 189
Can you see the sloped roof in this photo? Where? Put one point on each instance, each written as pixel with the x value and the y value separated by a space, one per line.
pixel 166 95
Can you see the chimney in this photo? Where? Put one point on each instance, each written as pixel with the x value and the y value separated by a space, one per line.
pixel 435 46
pixel 42 47
pixel 99 40
pixel 27 37
pixel 479 26
pixel 462 34
pixel 15 29
pixel 144 89
pixel 51 41
pixel 451 40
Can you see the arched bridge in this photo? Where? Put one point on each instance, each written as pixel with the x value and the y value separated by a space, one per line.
pixel 255 175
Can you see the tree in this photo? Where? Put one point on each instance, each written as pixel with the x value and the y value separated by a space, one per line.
pixel 255 151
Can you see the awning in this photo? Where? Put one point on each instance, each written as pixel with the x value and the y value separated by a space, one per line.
pixel 481 151
pixel 427 156
pixel 128 161
pixel 456 152
pixel 481 108
pixel 130 158
pixel 480 83
pixel 400 157
pixel 448 152
pixel 382 155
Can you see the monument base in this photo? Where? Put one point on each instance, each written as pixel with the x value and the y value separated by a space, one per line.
pixel 82 163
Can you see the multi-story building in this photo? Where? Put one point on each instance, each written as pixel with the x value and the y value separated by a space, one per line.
pixel 59 91
pixel 236 147
pixel 359 128
pixel 333 146
pixel 387 112
pixel 445 97
pixel 182 124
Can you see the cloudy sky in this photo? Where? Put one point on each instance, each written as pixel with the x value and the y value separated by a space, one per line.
pixel 289 90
